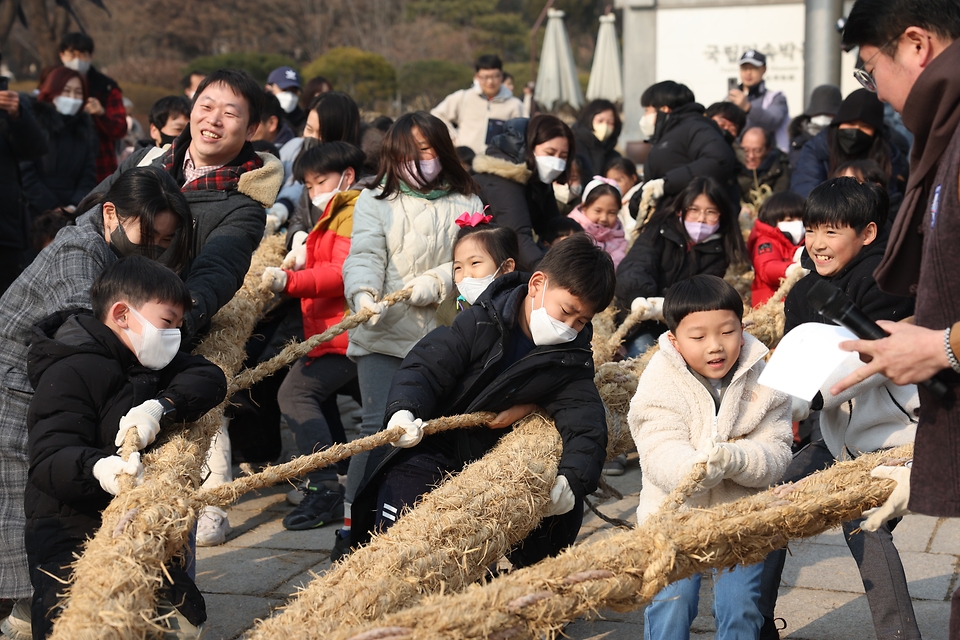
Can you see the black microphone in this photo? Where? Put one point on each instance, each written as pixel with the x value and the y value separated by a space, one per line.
pixel 830 302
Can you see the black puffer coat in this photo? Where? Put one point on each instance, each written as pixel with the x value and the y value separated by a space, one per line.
pixel 691 146
pixel 21 140
pixel 595 154
pixel 517 197
pixel 457 369
pixel 856 281
pixel 68 171
pixel 86 379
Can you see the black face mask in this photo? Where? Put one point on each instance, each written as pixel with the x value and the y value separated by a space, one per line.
pixel 854 142
pixel 729 137
pixel 308 143
pixel 123 247
pixel 166 139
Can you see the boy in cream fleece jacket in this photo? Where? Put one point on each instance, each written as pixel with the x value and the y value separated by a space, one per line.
pixel 699 401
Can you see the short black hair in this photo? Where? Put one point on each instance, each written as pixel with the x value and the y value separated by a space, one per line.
pixel 559 227
pixel 166 107
pixel 877 22
pixel 138 280
pixel 667 94
pixel 699 293
pixel 622 164
pixel 780 206
pixel 271 108
pixel 866 170
pixel 728 111
pixel 581 266
pixel 46 226
pixel 489 61
pixel 845 202
pixel 328 157
pixel 241 83
pixel 80 42
pixel 187 80
pixel 466 155
pixel 585 119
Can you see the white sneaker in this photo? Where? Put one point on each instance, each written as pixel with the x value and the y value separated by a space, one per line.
pixel 17 624
pixel 212 527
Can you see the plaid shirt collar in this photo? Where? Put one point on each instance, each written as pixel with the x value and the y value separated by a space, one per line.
pixel 191 172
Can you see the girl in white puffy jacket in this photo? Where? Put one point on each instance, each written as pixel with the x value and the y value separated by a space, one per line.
pixel 699 401
pixel 403 236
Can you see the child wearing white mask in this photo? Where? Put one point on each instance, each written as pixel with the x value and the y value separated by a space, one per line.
pixel 483 252
pixel 525 343
pixel 773 245
pixel 403 237
pixel 96 378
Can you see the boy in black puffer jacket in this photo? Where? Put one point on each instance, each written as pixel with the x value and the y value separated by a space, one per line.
pixel 525 342
pixel 96 376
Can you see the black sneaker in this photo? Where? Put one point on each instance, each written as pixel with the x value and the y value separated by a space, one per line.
pixel 341 545
pixel 770 629
pixel 320 506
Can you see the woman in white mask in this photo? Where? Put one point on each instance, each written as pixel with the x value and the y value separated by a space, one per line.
pixel 597 131
pixel 143 213
pixel 517 177
pixel 698 233
pixel 67 172
pixel 403 236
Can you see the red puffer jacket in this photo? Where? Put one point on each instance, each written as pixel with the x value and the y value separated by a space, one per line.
pixel 771 252
pixel 320 283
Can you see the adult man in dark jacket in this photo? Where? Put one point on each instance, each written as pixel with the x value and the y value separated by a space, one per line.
pixel 226 183
pixel 20 140
pixel 105 104
pixel 763 163
pixel 911 53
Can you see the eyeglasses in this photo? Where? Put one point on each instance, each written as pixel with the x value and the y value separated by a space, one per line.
pixel 709 215
pixel 864 77
pixel 493 77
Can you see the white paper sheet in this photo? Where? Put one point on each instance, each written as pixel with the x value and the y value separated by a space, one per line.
pixel 805 358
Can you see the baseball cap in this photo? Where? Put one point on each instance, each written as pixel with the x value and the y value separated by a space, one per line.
pixel 754 57
pixel 284 77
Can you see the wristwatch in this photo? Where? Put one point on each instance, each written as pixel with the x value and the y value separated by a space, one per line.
pixel 169 415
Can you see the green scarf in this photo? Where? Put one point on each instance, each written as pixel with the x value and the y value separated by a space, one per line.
pixel 430 195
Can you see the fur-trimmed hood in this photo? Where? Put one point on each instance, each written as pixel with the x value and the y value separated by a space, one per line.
pixel 502 167
pixel 264 183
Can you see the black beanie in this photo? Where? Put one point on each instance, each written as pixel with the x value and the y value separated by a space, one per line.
pixel 861 105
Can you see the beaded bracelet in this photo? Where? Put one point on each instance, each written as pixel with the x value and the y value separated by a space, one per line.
pixel 951 356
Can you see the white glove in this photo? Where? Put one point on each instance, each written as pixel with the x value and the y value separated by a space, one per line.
pixel 145 418
pixel 413 428
pixel 275 278
pixel 562 499
pixel 794 268
pixel 725 460
pixel 364 300
pixel 297 257
pixel 642 306
pixel 107 471
pixel 799 409
pixel 424 290
pixel 652 189
pixel 896 504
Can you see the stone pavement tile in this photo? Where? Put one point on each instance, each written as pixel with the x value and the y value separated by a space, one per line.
pixel 272 535
pixel 289 588
pixel 610 626
pixel 929 575
pixel 231 615
pixel 821 566
pixel 273 498
pixel 947 537
pixel 914 533
pixel 248 571
pixel 244 520
pixel 830 615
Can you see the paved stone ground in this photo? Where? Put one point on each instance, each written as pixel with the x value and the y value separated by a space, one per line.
pixel 262 565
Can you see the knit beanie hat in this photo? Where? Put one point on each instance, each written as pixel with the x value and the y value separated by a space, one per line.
pixel 861 105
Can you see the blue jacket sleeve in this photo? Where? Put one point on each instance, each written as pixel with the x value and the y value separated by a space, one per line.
pixel 812 167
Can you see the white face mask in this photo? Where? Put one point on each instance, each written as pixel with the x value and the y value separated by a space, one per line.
pixel 471 288
pixel 429 168
pixel 78 65
pixel 67 106
pixel 323 199
pixel 550 167
pixel 793 229
pixel 602 131
pixel 287 100
pixel 547 330
pixel 648 124
pixel 155 348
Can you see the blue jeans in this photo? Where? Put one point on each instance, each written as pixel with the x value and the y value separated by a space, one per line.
pixel 735 596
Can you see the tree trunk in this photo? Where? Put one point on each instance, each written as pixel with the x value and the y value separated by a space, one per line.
pixel 8 15
pixel 47 27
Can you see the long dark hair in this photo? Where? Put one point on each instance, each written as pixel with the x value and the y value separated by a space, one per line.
pixel 339 117
pixel 399 147
pixel 585 120
pixel 673 213
pixel 545 127
pixel 142 193
pixel 879 152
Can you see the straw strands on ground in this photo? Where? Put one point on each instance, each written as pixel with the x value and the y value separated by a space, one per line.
pixel 623 570
pixel 444 544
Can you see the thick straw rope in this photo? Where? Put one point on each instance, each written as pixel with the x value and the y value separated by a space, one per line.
pixel 445 543
pixel 623 570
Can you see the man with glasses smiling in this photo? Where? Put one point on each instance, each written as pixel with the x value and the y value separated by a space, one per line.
pixel 911 52
pixel 475 115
